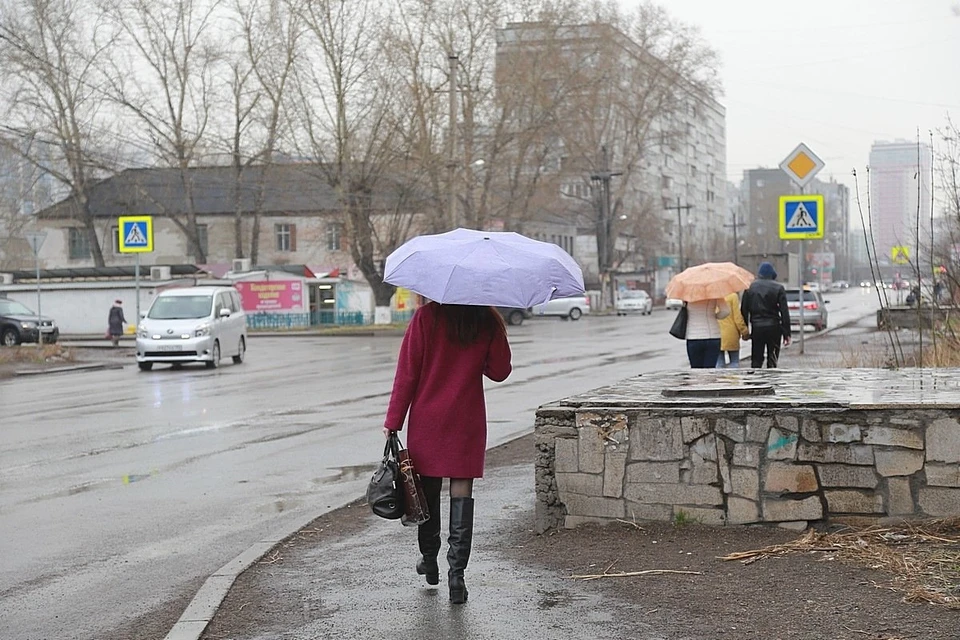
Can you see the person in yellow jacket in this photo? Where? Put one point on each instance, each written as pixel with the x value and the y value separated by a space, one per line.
pixel 732 328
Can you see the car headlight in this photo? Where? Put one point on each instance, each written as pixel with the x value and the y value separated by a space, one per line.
pixel 202 330
pixel 28 325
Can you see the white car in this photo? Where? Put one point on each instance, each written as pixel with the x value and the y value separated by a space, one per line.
pixel 565 308
pixel 673 303
pixel 634 301
pixel 192 324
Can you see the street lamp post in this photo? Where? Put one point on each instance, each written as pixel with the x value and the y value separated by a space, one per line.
pixel 679 210
pixel 35 239
pixel 604 224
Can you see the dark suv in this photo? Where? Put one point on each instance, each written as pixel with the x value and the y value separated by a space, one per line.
pixel 19 324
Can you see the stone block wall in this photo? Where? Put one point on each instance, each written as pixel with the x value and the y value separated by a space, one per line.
pixel 766 464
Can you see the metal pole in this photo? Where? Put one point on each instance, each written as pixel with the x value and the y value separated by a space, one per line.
pixel 803 272
pixel 680 232
pixel 136 277
pixel 736 253
pixel 452 137
pixel 36 257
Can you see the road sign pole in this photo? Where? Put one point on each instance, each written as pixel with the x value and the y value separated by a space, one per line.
pixel 36 258
pixel 136 277
pixel 803 271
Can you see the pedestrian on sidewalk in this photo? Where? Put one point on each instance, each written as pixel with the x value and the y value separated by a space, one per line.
pixel 703 332
pixel 732 329
pixel 446 351
pixel 115 322
pixel 764 309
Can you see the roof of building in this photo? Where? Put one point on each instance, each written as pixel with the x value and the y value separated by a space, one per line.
pixel 278 189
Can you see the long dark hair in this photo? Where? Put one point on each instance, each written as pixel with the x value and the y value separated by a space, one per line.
pixel 467 323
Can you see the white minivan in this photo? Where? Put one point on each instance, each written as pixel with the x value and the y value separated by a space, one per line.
pixel 192 324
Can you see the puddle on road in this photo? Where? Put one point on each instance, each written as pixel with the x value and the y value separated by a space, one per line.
pixel 345 474
pixel 551 599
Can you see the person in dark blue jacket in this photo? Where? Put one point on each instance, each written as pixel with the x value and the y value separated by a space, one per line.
pixel 764 309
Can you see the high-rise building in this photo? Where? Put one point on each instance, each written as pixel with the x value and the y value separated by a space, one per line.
pixel 900 181
pixel 680 160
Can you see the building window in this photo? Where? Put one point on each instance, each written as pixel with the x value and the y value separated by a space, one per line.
pixel 665 182
pixel 334 236
pixel 286 235
pixel 693 170
pixel 79 244
pixel 115 234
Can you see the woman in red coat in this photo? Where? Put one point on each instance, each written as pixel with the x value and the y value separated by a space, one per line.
pixel 446 352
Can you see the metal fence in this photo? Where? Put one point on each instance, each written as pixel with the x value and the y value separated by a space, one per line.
pixel 264 321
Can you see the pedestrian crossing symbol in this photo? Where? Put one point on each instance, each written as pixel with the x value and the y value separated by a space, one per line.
pixel 801 217
pixel 900 255
pixel 135 234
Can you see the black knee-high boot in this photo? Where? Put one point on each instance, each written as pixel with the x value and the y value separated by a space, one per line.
pixel 428 533
pixel 460 540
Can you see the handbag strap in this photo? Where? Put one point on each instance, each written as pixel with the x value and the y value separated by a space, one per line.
pixel 392 447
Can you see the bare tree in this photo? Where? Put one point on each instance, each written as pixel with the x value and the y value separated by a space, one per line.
pixel 49 57
pixel 261 74
pixel 166 80
pixel 346 121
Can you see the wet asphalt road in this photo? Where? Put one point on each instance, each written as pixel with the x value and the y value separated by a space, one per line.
pixel 121 491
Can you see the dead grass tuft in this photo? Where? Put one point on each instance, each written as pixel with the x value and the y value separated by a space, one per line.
pixel 923 558
pixel 34 354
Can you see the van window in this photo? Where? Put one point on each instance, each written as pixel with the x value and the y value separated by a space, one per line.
pixel 235 302
pixel 180 307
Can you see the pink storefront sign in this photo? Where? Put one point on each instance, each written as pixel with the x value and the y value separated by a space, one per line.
pixel 271 295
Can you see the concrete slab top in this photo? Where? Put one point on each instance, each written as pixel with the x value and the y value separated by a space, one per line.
pixel 823 388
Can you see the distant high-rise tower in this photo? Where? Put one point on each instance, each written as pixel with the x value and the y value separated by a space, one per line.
pixel 900 174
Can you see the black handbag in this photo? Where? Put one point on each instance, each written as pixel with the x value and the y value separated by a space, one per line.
pixel 679 328
pixel 385 491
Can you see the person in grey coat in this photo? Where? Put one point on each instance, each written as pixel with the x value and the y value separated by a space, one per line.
pixel 115 322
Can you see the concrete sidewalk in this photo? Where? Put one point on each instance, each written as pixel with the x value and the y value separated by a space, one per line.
pixel 363 585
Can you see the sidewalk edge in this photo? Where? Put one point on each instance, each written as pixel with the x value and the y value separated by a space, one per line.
pixel 205 604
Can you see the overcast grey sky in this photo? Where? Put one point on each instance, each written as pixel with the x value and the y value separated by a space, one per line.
pixel 835 74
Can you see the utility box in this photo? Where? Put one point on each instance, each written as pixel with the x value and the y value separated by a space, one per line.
pixel 786 264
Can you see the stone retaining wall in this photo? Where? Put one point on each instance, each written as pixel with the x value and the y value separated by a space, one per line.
pixel 763 459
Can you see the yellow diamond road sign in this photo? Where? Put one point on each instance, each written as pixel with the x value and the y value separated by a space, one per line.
pixel 900 255
pixel 802 165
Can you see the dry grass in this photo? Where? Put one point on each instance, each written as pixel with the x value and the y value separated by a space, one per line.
pixel 34 354
pixel 923 559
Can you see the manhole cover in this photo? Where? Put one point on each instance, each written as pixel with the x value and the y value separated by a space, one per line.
pixel 718 391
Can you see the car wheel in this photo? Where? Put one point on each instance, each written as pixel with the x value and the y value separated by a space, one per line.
pixel 145 366
pixel 515 318
pixel 215 356
pixel 10 338
pixel 241 349
pixel 576 313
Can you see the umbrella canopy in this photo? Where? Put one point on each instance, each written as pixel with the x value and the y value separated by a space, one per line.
pixel 708 281
pixel 496 268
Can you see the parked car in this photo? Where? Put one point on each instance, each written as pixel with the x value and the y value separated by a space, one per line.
pixel 18 324
pixel 515 316
pixel 814 308
pixel 673 303
pixel 192 324
pixel 565 308
pixel 634 301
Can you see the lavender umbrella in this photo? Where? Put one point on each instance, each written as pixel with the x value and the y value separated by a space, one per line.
pixel 495 268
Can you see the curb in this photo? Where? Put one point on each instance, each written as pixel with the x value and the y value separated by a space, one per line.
pixel 79 367
pixel 205 604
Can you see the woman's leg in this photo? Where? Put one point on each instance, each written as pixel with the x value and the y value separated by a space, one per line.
pixel 711 351
pixel 428 533
pixel 461 536
pixel 734 359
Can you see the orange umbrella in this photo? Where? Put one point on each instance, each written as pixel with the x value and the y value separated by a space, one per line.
pixel 708 281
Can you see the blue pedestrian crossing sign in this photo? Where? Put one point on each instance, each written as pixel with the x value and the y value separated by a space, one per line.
pixel 135 234
pixel 801 217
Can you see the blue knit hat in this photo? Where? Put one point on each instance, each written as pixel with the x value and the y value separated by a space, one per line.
pixel 766 271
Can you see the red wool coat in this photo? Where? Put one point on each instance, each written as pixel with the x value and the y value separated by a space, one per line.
pixel 441 384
